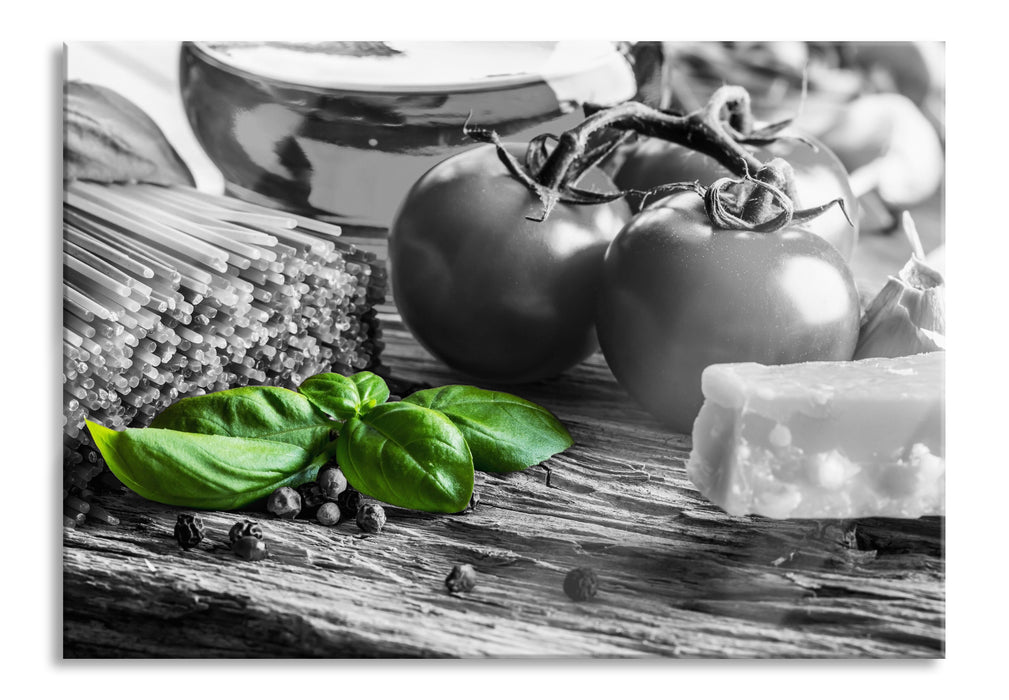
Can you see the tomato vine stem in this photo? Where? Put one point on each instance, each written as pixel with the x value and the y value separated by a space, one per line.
pixel 762 200
pixel 714 130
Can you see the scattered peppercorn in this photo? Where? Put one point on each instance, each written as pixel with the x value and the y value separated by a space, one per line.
pixel 371 517
pixel 332 482
pixel 188 530
pixel 284 503
pixel 461 578
pixel 245 528
pixel 250 548
pixel 328 513
pixel 311 498
pixel 581 584
pixel 349 501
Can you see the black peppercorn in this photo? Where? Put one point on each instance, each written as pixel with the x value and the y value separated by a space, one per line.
pixel 371 517
pixel 284 503
pixel 328 514
pixel 332 482
pixel 188 530
pixel 311 498
pixel 349 501
pixel 245 528
pixel 461 578
pixel 250 548
pixel 581 584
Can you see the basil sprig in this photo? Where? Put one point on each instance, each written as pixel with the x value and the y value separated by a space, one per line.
pixel 228 449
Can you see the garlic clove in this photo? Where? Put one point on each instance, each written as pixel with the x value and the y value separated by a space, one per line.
pixel 902 320
pixel 908 316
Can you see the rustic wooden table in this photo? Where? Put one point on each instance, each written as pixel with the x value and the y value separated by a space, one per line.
pixel 679 578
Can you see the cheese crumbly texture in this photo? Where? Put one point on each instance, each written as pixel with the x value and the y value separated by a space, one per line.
pixel 823 439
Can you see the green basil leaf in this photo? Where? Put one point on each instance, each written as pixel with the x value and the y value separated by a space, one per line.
pixel 262 412
pixel 334 393
pixel 202 471
pixel 372 389
pixel 408 456
pixel 505 433
pixel 343 397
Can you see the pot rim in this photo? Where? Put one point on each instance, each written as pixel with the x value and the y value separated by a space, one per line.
pixel 571 71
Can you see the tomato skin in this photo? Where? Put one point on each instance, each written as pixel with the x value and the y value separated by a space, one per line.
pixel 678 295
pixel 492 294
pixel 820 177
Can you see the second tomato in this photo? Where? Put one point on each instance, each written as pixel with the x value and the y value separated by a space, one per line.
pixel 678 295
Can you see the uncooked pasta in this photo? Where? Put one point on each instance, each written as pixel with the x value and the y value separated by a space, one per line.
pixel 170 292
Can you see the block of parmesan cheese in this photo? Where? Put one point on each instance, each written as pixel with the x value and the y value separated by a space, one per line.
pixel 823 439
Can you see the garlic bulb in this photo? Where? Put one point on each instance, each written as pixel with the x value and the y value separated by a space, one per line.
pixel 908 316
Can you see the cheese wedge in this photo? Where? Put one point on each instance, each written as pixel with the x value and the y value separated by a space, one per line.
pixel 823 439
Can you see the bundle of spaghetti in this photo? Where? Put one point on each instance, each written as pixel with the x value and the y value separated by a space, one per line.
pixel 170 292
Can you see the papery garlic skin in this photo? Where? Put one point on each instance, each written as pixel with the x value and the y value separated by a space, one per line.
pixel 908 315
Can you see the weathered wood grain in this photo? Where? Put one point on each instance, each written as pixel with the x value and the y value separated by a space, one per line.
pixel 679 578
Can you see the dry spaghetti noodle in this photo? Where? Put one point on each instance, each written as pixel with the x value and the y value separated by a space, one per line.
pixel 171 292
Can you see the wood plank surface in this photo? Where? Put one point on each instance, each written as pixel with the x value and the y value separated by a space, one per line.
pixel 679 578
